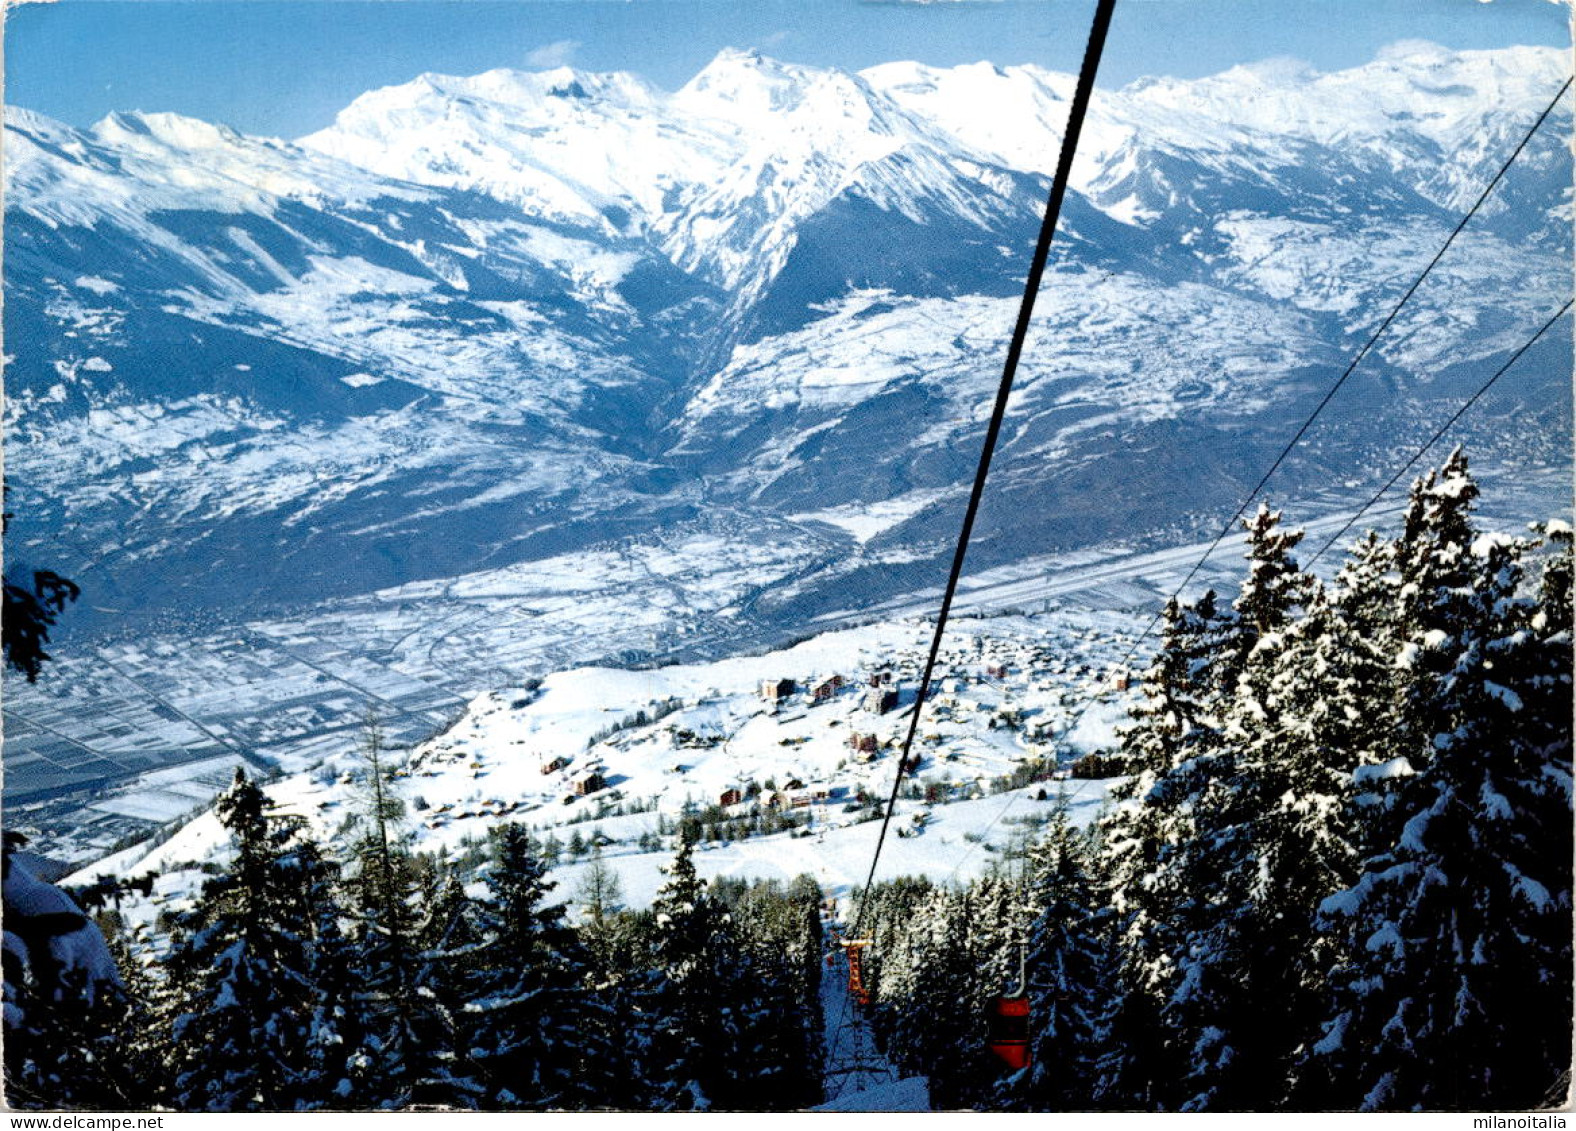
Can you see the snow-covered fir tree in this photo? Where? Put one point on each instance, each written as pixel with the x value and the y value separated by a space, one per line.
pixel 942 953
pixel 926 993
pixel 67 1012
pixel 243 968
pixel 1264 790
pixel 448 934
pixel 1433 562
pixel 336 1053
pixel 1366 628
pixel 696 1026
pixel 1143 837
pixel 1458 937
pixel 780 1026
pixel 1067 964
pixel 1277 839
pixel 529 1006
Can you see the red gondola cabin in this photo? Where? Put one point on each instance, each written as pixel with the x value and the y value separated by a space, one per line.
pixel 1009 1031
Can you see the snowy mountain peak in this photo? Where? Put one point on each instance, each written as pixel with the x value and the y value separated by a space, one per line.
pixel 534 91
pixel 1415 52
pixel 1413 87
pixel 744 83
pixel 168 130
pixel 567 145
pixel 132 166
pixel 1011 115
pixel 522 98
pixel 769 97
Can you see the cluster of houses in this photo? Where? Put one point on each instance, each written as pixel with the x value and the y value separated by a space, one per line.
pixel 493 807
pixel 978 681
pixel 588 781
pixel 793 795
pixel 881 692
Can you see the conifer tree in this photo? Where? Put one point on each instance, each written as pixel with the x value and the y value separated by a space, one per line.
pixel 69 1050
pixel 528 1006
pixel 942 954
pixel 1144 836
pixel 1067 967
pixel 600 893
pixel 1275 586
pixel 695 1024
pixel 243 965
pixel 1278 840
pixel 1232 919
pixel 136 1056
pixel 1365 615
pixel 448 936
pixel 779 1037
pixel 1433 559
pixel 1458 937
pixel 383 887
pixel 925 978
pixel 337 1041
pixel 63 998
pixel 994 923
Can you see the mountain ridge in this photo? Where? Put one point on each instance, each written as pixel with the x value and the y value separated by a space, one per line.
pixel 607 312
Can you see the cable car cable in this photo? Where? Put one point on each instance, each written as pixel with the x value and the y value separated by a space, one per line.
pixel 1361 353
pixel 1394 479
pixel 1308 423
pixel 1075 118
pixel 1443 428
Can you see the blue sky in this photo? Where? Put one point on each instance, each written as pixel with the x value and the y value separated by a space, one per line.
pixel 284 67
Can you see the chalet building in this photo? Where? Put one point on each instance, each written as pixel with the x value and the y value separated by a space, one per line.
pixel 588 783
pixel 799 798
pixel 824 690
pixel 864 743
pixel 880 699
pixel 776 690
pixel 996 671
pixel 730 797
pixel 554 765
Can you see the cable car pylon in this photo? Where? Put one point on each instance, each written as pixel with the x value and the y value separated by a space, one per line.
pixel 853 1061
pixel 853 954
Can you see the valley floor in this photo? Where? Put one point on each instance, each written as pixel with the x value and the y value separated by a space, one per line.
pixel 123 738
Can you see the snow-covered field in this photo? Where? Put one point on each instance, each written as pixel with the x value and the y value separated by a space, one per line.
pixel 119 738
pixel 710 744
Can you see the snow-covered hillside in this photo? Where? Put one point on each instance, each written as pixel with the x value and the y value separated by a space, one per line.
pixel 514 314
pixel 620 759
pixel 721 354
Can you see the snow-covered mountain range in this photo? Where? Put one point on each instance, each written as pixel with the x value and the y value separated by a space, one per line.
pixel 482 321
